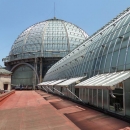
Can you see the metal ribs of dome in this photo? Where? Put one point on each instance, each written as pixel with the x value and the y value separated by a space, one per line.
pixel 50 38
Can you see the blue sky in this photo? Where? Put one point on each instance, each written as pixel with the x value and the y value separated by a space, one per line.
pixel 17 15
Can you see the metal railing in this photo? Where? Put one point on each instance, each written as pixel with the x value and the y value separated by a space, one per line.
pixel 33 55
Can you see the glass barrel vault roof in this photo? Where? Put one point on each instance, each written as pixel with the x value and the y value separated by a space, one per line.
pixel 106 51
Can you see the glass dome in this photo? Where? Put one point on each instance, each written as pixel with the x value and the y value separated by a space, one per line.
pixel 50 38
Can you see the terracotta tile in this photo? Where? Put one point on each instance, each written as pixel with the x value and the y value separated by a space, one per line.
pixel 27 110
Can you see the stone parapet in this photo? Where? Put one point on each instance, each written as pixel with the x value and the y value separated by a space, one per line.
pixel 4 95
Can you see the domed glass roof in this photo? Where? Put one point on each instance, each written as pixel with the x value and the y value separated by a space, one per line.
pixel 53 37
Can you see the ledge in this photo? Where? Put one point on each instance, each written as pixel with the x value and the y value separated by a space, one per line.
pixel 4 95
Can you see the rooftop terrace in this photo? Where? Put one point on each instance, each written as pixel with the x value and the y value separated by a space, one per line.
pixel 37 110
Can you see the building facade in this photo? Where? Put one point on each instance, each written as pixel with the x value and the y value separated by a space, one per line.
pixel 5 79
pixel 106 54
pixel 40 46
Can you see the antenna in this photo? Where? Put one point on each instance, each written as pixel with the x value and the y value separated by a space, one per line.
pixel 54 11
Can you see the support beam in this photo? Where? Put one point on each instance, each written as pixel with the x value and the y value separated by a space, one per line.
pixel 35 64
pixel 58 91
pixel 44 89
pixel 74 94
pixel 49 89
pixel 40 70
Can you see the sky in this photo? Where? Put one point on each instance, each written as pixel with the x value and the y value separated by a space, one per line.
pixel 89 15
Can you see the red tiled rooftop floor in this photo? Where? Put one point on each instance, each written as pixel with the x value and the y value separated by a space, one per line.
pixel 86 118
pixel 27 110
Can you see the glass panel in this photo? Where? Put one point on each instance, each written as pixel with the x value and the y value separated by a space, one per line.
pixel 107 31
pixel 86 66
pixel 81 93
pixel 89 66
pixel 105 100
pixel 118 44
pixel 102 62
pixel 101 71
pixel 92 65
pixel 127 96
pixel 23 75
pixel 116 25
pixel 97 63
pixel 114 60
pixel 101 51
pixel 96 51
pixel 123 30
pixel 100 98
pixel 107 65
pixel 116 34
pixel 127 67
pixel 101 42
pixel 110 36
pixel 95 97
pixel 105 39
pixel 123 21
pixel 128 29
pixel 90 96
pixel 111 46
pixel 120 68
pixel 128 19
pixel 84 94
pixel 105 49
pixel 128 56
pixel 125 40
pixel 121 57
pixel 86 99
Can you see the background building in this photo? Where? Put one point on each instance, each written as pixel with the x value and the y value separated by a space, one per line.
pixel 106 53
pixel 5 79
pixel 38 47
